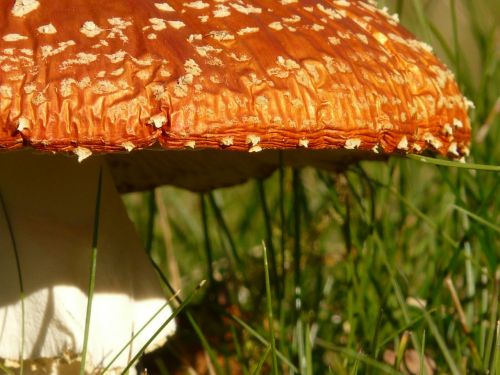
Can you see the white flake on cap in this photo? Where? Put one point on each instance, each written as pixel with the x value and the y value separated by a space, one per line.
pixel 334 40
pixel 256 148
pixel 190 144
pixel 469 103
pixel 246 9
pixel 47 29
pixel 6 91
pixel 221 11
pixel 165 7
pixel 158 24
pixel 288 64
pixel 29 88
pixel 253 139
pixel 403 144
pixel 276 26
pixel 181 87
pixel 23 7
pixel 221 35
pixel 14 37
pixel 206 50
pixel 417 147
pixel 317 27
pixel 176 24
pixel 192 67
pixel 27 51
pixel 303 143
pixel 158 120
pixel 458 123
pixel 90 29
pixel 227 141
pixel 23 123
pixel 197 5
pixel 51 51
pixel 433 141
pixel 192 37
pixel 248 30
pixel 352 144
pixel 381 38
pixel 129 146
pixel 447 129
pixel 453 149
pixel 82 153
pixel 82 58
pixel 104 87
pixel 117 57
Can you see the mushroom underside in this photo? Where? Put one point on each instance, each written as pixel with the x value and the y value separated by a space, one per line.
pixel 50 204
pixel 205 169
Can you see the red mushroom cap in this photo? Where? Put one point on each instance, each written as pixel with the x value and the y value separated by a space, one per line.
pixel 92 76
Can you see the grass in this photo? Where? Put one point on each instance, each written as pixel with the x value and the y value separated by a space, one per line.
pixel 382 268
pixel 5 212
pixel 92 272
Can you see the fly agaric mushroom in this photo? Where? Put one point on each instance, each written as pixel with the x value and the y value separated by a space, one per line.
pixel 143 83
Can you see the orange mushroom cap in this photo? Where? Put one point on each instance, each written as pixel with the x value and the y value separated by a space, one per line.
pixel 92 76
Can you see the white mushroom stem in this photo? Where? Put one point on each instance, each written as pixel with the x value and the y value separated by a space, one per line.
pixel 50 201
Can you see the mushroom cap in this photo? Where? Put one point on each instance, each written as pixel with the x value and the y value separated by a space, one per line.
pixel 339 77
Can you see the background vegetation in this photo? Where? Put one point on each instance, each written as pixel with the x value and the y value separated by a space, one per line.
pixel 383 268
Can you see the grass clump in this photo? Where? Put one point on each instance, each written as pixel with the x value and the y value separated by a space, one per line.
pixel 381 269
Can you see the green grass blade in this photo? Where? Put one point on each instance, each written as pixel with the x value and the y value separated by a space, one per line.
pixel 492 340
pixel 92 274
pixel 190 317
pixel 479 219
pixel 441 344
pixel 308 349
pixel 456 50
pixel 386 369
pixel 454 164
pixel 422 20
pixel 282 219
pixel 424 217
pixel 401 350
pixel 129 343
pixel 260 364
pixel 239 352
pixel 270 311
pixel 269 236
pixel 297 241
pixel 400 330
pixel 6 370
pixel 20 280
pixel 204 343
pixel 355 367
pixel 301 356
pixel 263 341
pixel 176 312
pixel 227 232
pixel 495 362
pixel 397 291
pixel 422 370
pixel 206 238
pixel 151 221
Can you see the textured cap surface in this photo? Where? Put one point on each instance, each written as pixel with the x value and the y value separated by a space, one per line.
pixel 92 76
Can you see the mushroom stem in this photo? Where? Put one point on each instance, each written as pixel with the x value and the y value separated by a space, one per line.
pixel 50 202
